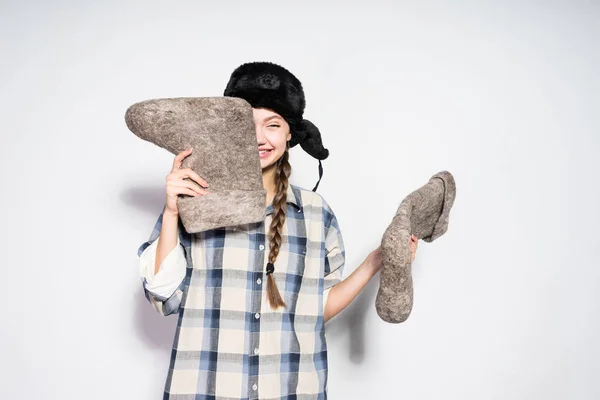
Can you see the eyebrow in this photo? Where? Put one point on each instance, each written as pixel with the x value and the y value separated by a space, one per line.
pixel 271 117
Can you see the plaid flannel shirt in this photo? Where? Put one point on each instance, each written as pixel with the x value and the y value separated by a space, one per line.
pixel 229 344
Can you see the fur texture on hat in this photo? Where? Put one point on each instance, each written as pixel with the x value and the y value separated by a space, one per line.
pixel 264 84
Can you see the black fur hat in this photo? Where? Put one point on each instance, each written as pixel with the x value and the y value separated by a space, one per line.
pixel 268 85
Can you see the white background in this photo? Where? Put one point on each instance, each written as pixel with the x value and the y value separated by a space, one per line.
pixel 504 96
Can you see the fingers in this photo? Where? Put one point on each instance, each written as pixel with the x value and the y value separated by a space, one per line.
pixel 413 240
pixel 188 191
pixel 179 186
pixel 413 243
pixel 179 159
pixel 177 176
pixel 189 173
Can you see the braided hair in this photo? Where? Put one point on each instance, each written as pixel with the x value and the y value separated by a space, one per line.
pixel 283 171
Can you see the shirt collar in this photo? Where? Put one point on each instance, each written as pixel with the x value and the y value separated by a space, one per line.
pixel 293 197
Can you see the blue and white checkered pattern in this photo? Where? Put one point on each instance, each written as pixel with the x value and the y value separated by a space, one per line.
pixel 229 344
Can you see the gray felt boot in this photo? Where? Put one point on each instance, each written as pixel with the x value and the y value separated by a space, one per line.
pixel 225 154
pixel 423 213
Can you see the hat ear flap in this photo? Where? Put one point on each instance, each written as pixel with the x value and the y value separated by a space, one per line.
pixel 312 143
pixel 298 132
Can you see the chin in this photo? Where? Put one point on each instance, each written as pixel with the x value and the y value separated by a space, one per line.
pixel 269 161
pixel 267 165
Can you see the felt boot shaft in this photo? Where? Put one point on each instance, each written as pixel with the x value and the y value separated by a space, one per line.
pixel 423 213
pixel 222 134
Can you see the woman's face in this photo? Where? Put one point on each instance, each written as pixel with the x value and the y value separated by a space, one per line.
pixel 272 135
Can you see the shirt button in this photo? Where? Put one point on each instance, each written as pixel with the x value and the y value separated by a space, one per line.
pixel 259 281
pixel 257 315
pixel 261 247
pixel 256 351
pixel 255 386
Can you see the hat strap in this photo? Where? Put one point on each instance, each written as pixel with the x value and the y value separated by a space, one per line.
pixel 320 176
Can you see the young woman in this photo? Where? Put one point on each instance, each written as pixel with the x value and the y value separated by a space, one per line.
pixel 253 300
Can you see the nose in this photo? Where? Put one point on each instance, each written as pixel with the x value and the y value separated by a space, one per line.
pixel 260 135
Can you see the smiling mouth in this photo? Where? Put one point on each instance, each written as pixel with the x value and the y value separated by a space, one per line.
pixel 264 151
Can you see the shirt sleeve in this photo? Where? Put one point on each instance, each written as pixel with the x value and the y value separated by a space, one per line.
pixel 164 290
pixel 335 254
pixel 171 271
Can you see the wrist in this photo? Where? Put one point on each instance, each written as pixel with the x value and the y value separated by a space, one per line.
pixel 170 214
pixel 375 268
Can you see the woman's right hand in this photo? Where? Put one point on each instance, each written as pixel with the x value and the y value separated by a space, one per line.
pixel 177 184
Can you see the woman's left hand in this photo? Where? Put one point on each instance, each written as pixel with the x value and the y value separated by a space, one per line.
pixel 374 260
pixel 413 243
